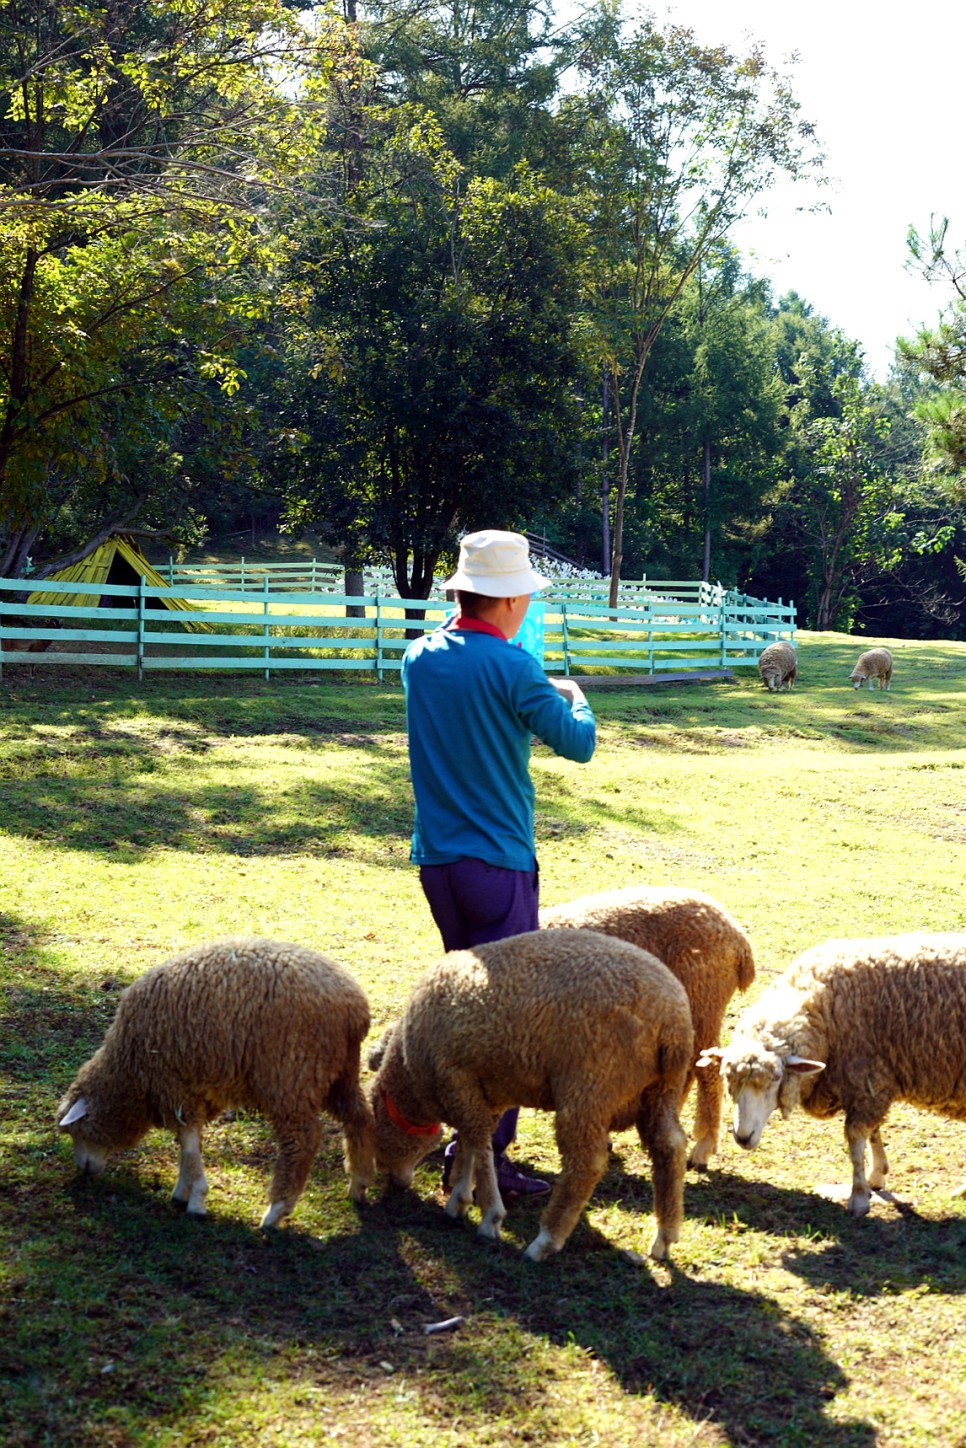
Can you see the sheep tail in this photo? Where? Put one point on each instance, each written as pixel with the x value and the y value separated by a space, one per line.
pixel 746 966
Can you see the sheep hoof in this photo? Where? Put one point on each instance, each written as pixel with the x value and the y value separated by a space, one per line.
pixel 489 1228
pixel 542 1246
pixel 660 1244
pixel 196 1209
pixel 859 1203
pixel 457 1204
pixel 357 1189
pixel 274 1215
pixel 700 1156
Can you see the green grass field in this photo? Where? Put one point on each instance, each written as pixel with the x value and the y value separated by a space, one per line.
pixel 136 820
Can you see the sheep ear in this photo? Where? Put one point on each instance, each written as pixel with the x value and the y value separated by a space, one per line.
pixel 709 1055
pixel 76 1113
pixel 802 1066
pixel 378 1049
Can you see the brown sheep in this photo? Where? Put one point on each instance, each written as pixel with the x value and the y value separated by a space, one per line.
pixel 875 665
pixel 244 1022
pixel 778 666
pixel 567 1021
pixel 703 946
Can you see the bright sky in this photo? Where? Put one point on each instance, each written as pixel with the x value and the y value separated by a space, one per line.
pixel 883 87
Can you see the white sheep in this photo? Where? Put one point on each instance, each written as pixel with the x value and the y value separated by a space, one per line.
pixel 568 1021
pixel 875 665
pixel 246 1022
pixel 778 666
pixel 852 1026
pixel 702 945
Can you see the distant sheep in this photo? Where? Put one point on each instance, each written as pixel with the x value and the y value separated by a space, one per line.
pixel 702 945
pixel 853 1026
pixel 567 1021
pixel 244 1022
pixel 778 666
pixel 873 665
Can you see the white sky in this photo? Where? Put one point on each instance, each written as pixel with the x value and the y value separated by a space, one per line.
pixel 883 86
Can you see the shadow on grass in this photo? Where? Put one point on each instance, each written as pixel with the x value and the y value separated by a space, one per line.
pixel 120 1309
pixel 110 790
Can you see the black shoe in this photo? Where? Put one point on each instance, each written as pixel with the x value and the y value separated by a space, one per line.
pixel 512 1182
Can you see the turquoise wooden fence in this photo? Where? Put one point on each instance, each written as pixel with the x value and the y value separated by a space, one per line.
pixel 248 575
pixel 286 631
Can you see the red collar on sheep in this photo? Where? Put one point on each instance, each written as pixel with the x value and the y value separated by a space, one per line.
pixel 397 1119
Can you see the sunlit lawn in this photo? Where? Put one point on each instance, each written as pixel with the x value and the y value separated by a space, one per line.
pixel 137 819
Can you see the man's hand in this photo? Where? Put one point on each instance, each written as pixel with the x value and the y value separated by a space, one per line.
pixel 569 688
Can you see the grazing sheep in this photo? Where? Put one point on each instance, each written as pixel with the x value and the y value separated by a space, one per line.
pixel 852 1026
pixel 702 945
pixel 874 664
pixel 778 666
pixel 568 1021
pixel 241 1022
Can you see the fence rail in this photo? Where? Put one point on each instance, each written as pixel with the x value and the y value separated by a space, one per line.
pixel 133 628
pixel 315 576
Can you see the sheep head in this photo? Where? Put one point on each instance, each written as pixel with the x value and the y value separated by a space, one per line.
pixel 90 1150
pixel 97 1127
pixel 758 1081
pixel 401 1144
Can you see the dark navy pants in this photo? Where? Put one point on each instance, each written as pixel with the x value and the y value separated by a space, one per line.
pixel 473 903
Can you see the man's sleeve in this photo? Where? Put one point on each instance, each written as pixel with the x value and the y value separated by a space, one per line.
pixel 569 729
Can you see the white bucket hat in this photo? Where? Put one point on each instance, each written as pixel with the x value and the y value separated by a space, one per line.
pixel 496 564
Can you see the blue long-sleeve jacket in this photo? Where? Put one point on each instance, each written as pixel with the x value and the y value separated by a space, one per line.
pixel 472 703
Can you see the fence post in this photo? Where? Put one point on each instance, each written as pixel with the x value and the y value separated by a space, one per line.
pixel 141 587
pixel 566 640
pixel 265 628
pixel 378 635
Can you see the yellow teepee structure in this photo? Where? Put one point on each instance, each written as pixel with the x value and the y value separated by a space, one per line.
pixel 117 560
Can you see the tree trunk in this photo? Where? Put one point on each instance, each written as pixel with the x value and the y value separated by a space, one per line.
pixel 355 585
pixel 706 565
pixel 605 480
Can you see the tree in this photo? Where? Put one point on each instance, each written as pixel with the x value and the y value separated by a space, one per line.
pixel 680 141
pixel 435 376
pixel 850 510
pixel 138 142
pixel 940 353
pixel 487 70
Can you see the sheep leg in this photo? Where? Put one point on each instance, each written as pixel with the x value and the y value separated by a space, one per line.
pixel 857 1137
pixel 662 1137
pixel 463 1179
pixel 707 1116
pixel 488 1196
pixel 191 1188
pixel 880 1164
pixel 583 1160
pixel 298 1145
pixel 355 1114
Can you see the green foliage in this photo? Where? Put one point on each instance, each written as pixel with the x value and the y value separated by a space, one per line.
pixel 679 140
pixel 940 353
pixel 137 144
pixel 489 73
pixel 435 375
